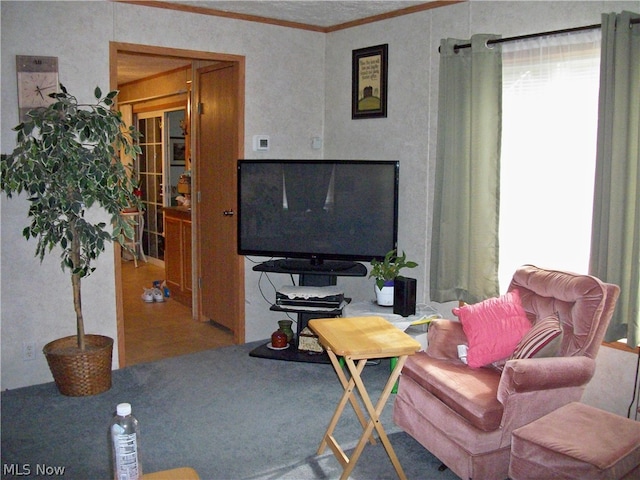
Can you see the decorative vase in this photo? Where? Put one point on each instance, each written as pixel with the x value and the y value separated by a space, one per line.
pixel 278 339
pixel 285 327
pixel 384 296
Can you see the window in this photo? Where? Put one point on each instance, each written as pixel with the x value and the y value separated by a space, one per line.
pixel 549 131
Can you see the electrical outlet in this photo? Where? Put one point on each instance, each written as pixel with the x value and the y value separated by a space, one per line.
pixel 28 351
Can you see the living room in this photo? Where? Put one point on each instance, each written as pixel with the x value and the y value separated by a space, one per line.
pixel 298 86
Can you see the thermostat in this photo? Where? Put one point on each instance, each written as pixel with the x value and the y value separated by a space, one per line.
pixel 261 143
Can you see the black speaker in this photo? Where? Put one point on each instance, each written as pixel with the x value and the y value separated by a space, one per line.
pixel 404 296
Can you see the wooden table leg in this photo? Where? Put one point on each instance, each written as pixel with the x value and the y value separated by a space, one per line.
pixel 374 414
pixel 348 395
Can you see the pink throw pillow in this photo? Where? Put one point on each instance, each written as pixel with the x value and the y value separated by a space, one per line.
pixel 493 328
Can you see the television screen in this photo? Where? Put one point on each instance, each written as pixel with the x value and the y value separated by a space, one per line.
pixel 318 209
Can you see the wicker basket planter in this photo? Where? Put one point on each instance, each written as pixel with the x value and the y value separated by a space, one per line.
pixel 80 373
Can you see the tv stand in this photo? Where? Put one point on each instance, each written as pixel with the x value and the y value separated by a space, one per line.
pixel 326 268
pixel 308 277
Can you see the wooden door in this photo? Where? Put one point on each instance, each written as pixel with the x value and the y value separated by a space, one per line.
pixel 187 256
pixel 221 279
pixel 173 259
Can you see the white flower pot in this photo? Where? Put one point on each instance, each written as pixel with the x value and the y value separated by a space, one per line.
pixel 384 297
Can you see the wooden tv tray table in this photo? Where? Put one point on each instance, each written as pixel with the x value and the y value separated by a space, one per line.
pixel 358 339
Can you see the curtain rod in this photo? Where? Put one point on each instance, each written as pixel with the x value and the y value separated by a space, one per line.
pixel 539 34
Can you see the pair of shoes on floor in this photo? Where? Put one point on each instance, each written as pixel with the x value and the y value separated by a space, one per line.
pixel 151 295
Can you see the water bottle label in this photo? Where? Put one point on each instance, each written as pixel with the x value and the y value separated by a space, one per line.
pixel 126 453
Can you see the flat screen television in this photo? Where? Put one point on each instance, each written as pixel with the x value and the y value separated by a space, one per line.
pixel 318 211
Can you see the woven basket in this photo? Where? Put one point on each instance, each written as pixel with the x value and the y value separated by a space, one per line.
pixel 80 373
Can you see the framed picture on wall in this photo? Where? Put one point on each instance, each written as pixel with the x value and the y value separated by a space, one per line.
pixel 369 82
pixel 177 151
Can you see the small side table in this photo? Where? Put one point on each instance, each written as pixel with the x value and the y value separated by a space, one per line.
pixel 358 339
pixel 414 325
pixel 136 219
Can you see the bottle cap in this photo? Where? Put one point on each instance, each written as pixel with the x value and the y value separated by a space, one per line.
pixel 123 409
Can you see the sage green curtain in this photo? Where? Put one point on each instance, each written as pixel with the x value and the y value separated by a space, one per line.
pixel 615 237
pixel 464 242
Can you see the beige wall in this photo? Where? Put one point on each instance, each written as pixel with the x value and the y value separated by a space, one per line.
pixel 409 132
pixel 298 85
pixel 284 99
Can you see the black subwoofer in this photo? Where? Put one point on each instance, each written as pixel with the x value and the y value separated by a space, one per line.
pixel 404 296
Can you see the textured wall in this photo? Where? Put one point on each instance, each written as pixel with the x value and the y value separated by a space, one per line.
pixel 284 99
pixel 37 300
pixel 409 132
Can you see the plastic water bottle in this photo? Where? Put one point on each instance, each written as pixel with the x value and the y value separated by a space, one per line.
pixel 125 437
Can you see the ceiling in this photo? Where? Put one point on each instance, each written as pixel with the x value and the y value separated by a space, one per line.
pixel 133 67
pixel 318 14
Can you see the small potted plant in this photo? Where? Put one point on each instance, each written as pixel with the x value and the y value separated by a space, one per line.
pixel 385 272
pixel 67 159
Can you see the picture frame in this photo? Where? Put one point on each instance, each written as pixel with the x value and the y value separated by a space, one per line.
pixel 369 82
pixel 177 153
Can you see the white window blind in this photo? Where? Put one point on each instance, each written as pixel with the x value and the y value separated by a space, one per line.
pixel 550 114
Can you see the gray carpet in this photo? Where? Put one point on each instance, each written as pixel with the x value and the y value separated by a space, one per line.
pixel 222 412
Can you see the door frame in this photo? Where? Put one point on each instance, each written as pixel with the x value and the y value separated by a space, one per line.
pixel 195 56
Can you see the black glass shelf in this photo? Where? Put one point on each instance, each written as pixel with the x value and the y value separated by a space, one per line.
pixel 322 275
pixel 291 354
pixel 305 267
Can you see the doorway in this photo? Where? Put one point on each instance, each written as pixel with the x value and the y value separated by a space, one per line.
pixel 158 170
pixel 149 169
pixel 232 272
pixel 160 330
pixel 176 159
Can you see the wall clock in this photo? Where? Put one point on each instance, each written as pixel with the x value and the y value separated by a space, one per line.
pixel 37 78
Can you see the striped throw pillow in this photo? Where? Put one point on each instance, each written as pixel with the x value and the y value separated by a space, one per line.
pixel 543 340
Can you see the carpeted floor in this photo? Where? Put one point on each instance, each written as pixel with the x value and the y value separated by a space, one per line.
pixel 222 412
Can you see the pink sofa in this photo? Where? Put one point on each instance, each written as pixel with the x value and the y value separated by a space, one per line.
pixel 465 416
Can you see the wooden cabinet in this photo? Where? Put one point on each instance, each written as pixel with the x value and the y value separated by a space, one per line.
pixel 177 257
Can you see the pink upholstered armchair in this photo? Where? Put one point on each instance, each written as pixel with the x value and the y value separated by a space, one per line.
pixel 465 416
